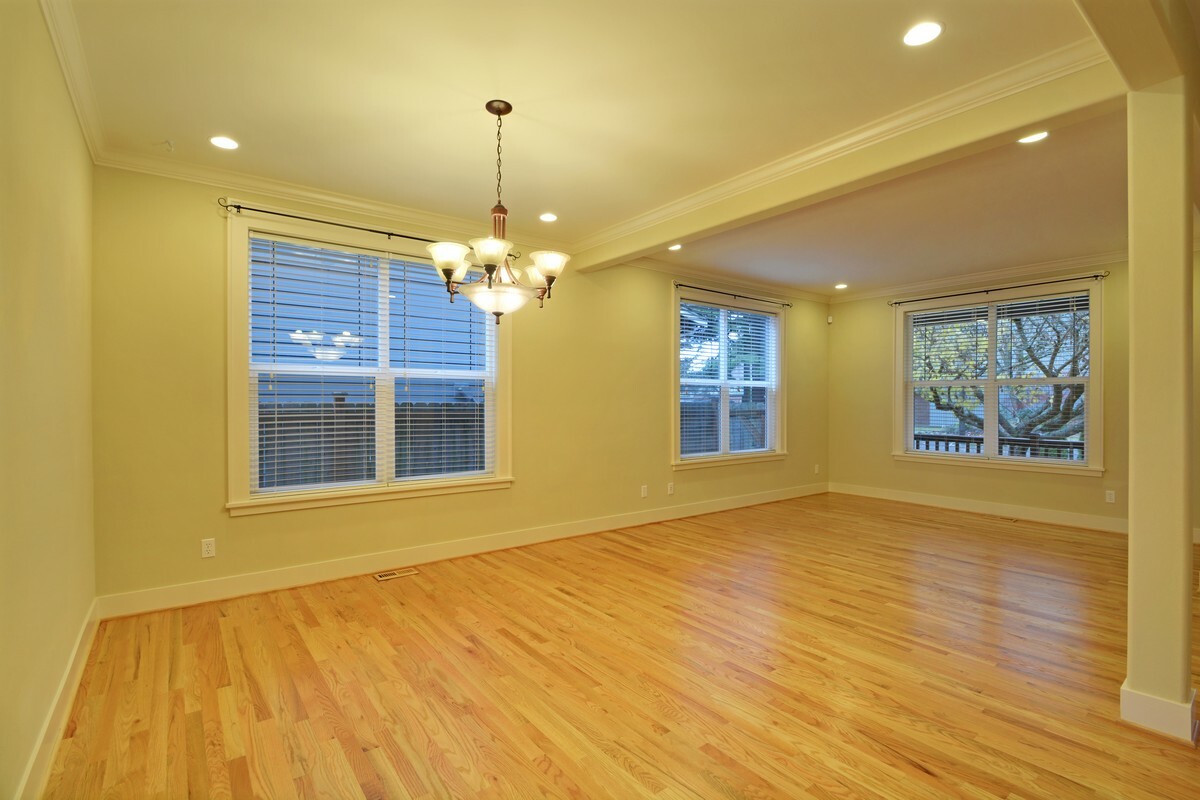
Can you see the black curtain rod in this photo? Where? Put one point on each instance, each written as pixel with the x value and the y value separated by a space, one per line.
pixel 1098 276
pixel 679 285
pixel 223 202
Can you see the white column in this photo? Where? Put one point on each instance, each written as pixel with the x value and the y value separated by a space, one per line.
pixel 1157 692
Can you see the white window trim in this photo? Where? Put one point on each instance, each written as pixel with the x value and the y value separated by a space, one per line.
pixel 1095 409
pixel 719 298
pixel 240 501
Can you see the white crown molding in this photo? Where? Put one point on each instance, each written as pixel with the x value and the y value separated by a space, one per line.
pixel 1051 66
pixel 64 34
pixel 989 279
pixel 423 222
pixel 727 280
pixel 977 280
pixel 413 220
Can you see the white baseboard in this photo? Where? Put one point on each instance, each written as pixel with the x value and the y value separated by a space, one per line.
pixel 1032 513
pixel 183 594
pixel 37 771
pixel 1159 714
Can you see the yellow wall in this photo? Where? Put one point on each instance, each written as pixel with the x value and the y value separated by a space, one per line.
pixel 591 419
pixel 860 423
pixel 46 555
pixel 591 415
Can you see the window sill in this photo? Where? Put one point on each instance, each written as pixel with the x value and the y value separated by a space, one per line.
pixel 293 501
pixel 722 461
pixel 1000 463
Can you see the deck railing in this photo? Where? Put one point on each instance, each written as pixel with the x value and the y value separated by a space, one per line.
pixel 1011 446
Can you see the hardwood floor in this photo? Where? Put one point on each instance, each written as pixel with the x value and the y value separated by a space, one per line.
pixel 823 647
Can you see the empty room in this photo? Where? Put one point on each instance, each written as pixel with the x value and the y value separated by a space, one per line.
pixel 683 399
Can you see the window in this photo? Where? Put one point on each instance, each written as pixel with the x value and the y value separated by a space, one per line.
pixel 728 381
pixel 355 374
pixel 1009 379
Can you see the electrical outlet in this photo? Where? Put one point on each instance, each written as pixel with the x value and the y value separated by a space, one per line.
pixel 816 469
pixel 645 490
pixel 670 488
pixel 208 548
pixel 1110 496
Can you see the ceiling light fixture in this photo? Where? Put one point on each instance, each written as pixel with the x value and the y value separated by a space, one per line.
pixel 498 291
pixel 840 286
pixel 675 247
pixel 922 33
pixel 548 217
pixel 224 142
pixel 1033 137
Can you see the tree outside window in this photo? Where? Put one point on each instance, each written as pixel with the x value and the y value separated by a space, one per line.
pixel 1004 379
pixel 727 380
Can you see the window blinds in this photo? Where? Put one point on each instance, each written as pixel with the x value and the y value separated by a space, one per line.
pixel 361 372
pixel 728 375
pixel 1006 379
pixel 1043 363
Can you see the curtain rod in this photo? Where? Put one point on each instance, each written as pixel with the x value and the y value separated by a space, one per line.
pixel 679 285
pixel 1098 276
pixel 223 202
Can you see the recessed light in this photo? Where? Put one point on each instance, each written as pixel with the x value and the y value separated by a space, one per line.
pixel 224 142
pixel 1034 137
pixel 675 247
pixel 548 217
pixel 840 286
pixel 922 33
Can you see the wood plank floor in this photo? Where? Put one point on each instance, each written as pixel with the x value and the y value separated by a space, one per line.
pixel 823 647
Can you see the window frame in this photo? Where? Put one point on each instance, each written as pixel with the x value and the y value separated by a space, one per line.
pixel 902 394
pixel 719 299
pixel 240 452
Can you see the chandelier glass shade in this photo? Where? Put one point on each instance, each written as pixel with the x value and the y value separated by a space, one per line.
pixel 500 298
pixel 499 290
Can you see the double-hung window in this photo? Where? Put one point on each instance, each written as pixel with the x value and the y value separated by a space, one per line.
pixel 728 398
pixel 1009 379
pixel 358 377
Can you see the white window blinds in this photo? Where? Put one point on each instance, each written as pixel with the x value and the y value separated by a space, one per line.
pixel 728 380
pixel 361 373
pixel 1001 380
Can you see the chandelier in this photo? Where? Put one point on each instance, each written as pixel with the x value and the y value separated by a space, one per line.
pixel 499 290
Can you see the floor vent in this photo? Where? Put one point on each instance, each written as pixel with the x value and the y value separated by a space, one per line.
pixel 396 573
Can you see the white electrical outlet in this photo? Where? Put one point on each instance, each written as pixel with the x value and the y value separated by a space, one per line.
pixel 670 488
pixel 816 469
pixel 645 490
pixel 208 548
pixel 1110 496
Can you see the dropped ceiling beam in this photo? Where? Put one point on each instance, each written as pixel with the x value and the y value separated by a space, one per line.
pixel 1060 101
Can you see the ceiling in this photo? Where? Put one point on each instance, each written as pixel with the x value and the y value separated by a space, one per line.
pixel 1057 202
pixel 626 114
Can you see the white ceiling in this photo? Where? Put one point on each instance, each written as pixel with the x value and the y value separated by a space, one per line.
pixel 1059 200
pixel 621 109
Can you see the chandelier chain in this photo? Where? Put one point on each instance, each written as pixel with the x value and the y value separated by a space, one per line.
pixel 499 126
pixel 499 290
